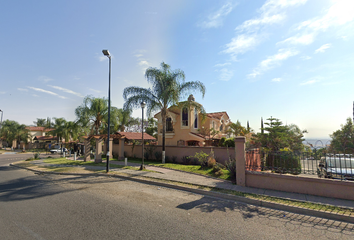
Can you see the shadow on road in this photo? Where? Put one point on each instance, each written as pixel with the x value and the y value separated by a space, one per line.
pixel 328 229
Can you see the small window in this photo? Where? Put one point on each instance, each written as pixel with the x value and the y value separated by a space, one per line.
pixel 169 127
pixel 185 117
pixel 195 118
pixel 213 124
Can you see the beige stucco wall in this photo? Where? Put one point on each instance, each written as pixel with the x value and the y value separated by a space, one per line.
pixel 306 185
pixel 183 132
pixel 221 153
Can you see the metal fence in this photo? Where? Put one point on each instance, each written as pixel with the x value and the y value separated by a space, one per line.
pixel 316 163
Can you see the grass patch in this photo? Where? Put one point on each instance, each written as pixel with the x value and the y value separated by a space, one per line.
pixel 186 168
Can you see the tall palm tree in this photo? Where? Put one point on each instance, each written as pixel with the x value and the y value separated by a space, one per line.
pixel 94 113
pixel 237 129
pixel 125 119
pixel 168 86
pixel 41 122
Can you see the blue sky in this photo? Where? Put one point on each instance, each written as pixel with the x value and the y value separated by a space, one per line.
pixel 292 60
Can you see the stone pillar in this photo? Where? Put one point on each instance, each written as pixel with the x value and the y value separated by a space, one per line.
pixel 240 156
pixel 121 148
pixel 87 150
pixel 98 156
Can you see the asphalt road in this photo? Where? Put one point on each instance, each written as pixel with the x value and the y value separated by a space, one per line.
pixel 49 206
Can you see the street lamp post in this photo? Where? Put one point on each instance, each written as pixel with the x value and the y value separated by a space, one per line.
pixel 1 118
pixel 106 53
pixel 142 104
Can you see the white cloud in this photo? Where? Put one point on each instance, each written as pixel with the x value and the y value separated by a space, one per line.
pixel 250 34
pixel 225 74
pixel 304 39
pixel 323 48
pixel 276 80
pixel 340 13
pixel 102 58
pixel 222 64
pixel 94 90
pixel 2 92
pixel 66 90
pixel 143 63
pixel 264 20
pixel 273 61
pixel 215 19
pixel 22 89
pixel 310 82
pixel 241 44
pixel 306 57
pixel 35 95
pixel 48 92
pixel 45 79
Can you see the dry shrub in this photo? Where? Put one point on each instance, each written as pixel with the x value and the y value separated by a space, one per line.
pixel 211 162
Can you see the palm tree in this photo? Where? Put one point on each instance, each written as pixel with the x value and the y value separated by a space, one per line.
pixel 41 122
pixel 125 119
pixel 94 113
pixel 12 130
pixel 168 86
pixel 58 128
pixel 237 129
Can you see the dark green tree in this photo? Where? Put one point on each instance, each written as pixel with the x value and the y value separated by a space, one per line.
pixel 343 139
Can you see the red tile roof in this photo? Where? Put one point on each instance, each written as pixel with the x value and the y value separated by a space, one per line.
pixel 135 136
pixel 43 129
pixel 216 115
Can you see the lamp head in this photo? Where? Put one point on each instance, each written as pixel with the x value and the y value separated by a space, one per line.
pixel 106 53
pixel 142 104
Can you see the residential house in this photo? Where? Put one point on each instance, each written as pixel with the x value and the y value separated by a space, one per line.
pixel 187 126
pixel 40 135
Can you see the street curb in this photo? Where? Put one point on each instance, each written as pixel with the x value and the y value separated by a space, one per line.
pixel 260 203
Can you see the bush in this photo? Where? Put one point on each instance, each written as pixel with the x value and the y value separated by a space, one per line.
pixel 284 162
pixel 167 159
pixel 231 167
pixel 146 156
pixel 219 173
pixel 217 167
pixel 211 162
pixel 230 142
pixel 202 158
pixel 174 159
pixel 36 155
pixel 158 156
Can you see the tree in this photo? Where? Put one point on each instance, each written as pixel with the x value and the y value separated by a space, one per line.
pixel 41 122
pixel 151 129
pixel 343 139
pixel 237 129
pixel 276 136
pixel 12 130
pixel 168 87
pixel 94 113
pixel 125 119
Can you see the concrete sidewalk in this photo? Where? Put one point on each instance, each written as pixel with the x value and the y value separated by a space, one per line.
pixel 196 179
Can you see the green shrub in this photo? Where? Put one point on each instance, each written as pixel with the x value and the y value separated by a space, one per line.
pixel 147 155
pixel 158 156
pixel 229 142
pixel 202 158
pixel 174 159
pixel 217 167
pixel 36 155
pixel 219 173
pixel 231 167
pixel 284 162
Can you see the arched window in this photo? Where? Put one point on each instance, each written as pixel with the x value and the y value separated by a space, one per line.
pixel 185 117
pixel 169 127
pixel 195 118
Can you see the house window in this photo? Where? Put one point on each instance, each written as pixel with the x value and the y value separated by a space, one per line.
pixel 195 118
pixel 213 124
pixel 169 127
pixel 185 117
pixel 221 126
